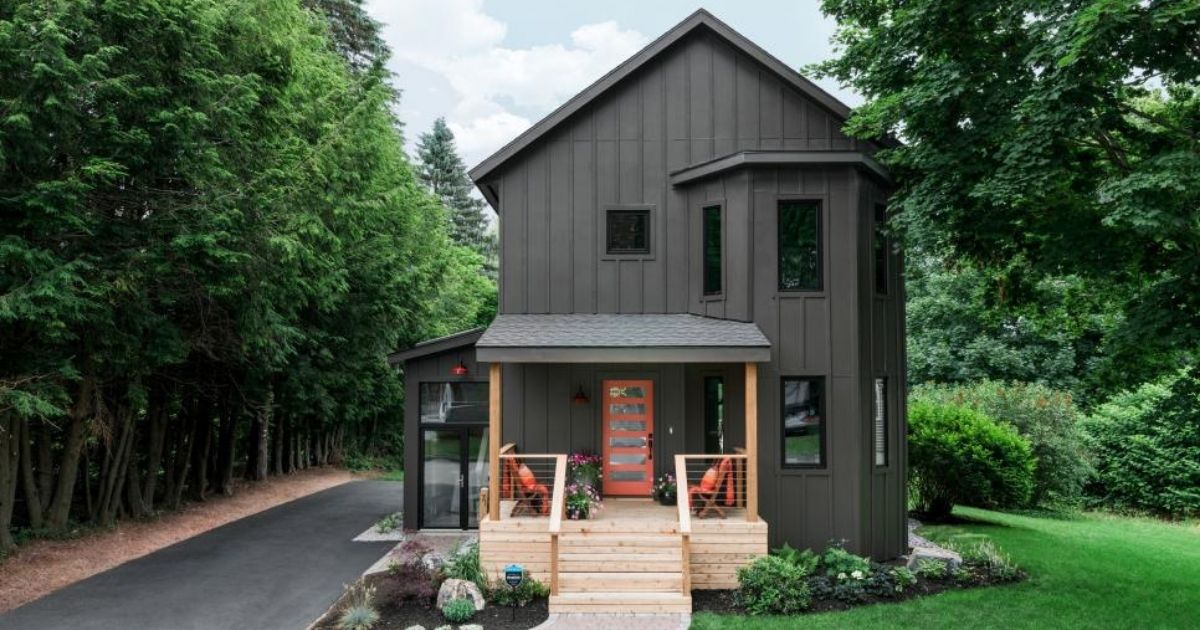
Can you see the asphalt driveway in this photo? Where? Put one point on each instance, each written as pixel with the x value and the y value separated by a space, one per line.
pixel 275 570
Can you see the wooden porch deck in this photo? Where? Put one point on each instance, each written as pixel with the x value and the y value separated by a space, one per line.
pixel 630 558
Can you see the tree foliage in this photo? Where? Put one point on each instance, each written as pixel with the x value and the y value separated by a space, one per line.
pixel 1046 417
pixel 444 174
pixel 1044 139
pixel 960 456
pixel 210 239
pixel 1147 448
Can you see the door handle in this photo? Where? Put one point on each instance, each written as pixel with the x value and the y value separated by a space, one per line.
pixel 650 446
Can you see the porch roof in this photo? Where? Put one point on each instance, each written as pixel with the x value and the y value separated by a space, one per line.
pixel 620 338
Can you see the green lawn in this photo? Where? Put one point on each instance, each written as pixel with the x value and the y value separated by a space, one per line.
pixel 1086 571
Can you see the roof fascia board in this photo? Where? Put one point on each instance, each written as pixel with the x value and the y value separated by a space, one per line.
pixel 435 346
pixel 509 354
pixel 777 158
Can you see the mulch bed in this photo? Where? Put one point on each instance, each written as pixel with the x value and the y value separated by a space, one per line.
pixel 723 602
pixel 395 614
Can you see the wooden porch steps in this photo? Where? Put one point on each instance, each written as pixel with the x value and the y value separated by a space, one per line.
pixel 620 571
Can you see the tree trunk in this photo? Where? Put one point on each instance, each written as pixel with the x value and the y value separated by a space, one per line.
pixel 68 470
pixel 277 450
pixel 45 465
pixel 156 414
pixel 33 501
pixel 202 443
pixel 260 436
pixel 115 468
pixel 9 453
pixel 225 445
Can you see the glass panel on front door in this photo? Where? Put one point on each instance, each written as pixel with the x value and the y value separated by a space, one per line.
pixel 441 496
pixel 628 426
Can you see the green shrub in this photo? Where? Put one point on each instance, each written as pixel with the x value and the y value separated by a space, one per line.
pixel 464 565
pixel 837 561
pixel 458 610
pixel 771 585
pixel 501 594
pixel 931 569
pixel 806 560
pixel 904 578
pixel 1046 417
pixel 389 523
pixel 958 455
pixel 1146 444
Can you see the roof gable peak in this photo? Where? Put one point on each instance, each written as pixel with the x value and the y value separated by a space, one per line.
pixel 700 18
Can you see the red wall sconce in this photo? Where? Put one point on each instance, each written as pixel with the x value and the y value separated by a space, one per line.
pixel 580 398
pixel 460 369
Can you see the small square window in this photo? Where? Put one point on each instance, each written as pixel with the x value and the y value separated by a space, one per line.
pixel 627 232
pixel 803 416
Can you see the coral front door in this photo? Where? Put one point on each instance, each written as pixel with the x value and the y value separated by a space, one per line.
pixel 628 434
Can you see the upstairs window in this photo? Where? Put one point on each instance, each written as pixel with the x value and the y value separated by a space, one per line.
pixel 712 250
pixel 880 422
pixel 799 245
pixel 627 232
pixel 881 250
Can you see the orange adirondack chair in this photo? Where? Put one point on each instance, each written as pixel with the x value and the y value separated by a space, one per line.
pixel 532 498
pixel 703 496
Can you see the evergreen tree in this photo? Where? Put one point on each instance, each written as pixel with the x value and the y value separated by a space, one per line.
pixel 443 172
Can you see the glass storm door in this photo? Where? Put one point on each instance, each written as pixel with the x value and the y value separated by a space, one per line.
pixel 453 469
pixel 628 433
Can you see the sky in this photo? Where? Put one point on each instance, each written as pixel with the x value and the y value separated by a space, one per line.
pixel 493 68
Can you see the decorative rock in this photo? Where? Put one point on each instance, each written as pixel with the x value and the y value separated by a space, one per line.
pixel 433 560
pixel 416 627
pixel 459 589
pixel 471 626
pixel 949 558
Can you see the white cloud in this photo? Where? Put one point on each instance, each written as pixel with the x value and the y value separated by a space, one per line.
pixel 497 90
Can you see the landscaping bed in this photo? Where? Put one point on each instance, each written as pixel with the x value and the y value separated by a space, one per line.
pixel 399 614
pixel 408 592
pixel 794 582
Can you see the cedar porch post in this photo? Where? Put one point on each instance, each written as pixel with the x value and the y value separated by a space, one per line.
pixel 494 436
pixel 751 442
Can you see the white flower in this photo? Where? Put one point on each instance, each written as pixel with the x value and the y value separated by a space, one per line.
pixel 841 576
pixel 858 575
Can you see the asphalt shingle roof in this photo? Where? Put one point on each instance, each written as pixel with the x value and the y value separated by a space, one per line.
pixel 619 331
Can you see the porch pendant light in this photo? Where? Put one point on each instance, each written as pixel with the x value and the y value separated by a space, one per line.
pixel 580 398
pixel 460 369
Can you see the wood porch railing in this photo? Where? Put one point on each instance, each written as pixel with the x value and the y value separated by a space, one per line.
pixel 551 466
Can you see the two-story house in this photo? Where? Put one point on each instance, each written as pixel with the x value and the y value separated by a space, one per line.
pixel 692 282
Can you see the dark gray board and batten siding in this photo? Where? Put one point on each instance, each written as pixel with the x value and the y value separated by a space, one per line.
pixel 699 99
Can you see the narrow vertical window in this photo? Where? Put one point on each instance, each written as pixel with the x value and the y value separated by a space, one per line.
pixel 799 246
pixel 803 417
pixel 714 414
pixel 712 250
pixel 881 443
pixel 882 247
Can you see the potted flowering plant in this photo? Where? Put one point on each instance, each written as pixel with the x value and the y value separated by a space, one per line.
pixel 582 501
pixel 666 491
pixel 585 468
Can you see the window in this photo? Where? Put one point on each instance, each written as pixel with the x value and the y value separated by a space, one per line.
pixel 628 231
pixel 712 250
pixel 803 422
pixel 714 414
pixel 799 246
pixel 881 454
pixel 882 247
pixel 457 403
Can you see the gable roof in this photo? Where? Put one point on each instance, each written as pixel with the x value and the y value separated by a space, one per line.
pixel 434 346
pixel 699 19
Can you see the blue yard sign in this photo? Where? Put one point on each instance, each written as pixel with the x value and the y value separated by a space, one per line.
pixel 513 575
